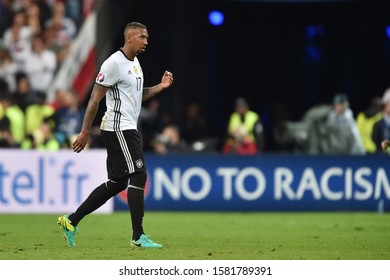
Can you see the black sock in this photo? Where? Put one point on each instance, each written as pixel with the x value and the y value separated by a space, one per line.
pixel 135 199
pixel 97 198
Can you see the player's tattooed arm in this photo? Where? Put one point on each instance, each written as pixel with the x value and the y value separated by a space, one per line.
pixel 82 139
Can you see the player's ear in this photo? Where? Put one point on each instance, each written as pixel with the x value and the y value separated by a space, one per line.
pixel 127 35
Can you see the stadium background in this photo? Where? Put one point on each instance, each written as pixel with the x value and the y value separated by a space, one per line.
pixel 259 53
pixel 283 56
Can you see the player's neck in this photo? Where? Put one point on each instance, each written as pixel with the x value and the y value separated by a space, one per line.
pixel 128 53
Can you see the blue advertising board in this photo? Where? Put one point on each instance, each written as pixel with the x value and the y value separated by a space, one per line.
pixel 265 183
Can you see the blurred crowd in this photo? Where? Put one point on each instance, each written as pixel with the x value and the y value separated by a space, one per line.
pixel 328 129
pixel 36 37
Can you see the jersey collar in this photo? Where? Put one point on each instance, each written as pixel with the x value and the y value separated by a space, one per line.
pixel 121 50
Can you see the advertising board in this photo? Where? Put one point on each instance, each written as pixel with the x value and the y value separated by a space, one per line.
pixel 49 182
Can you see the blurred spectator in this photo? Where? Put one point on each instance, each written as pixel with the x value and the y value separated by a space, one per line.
pixel 6 139
pixel 60 30
pixel 241 138
pixel 8 69
pixel 68 119
pixel 60 47
pixel 338 132
pixel 37 113
pixel 42 139
pixel 59 99
pixel 169 141
pixel 366 120
pixel 17 39
pixel 23 95
pixel 381 130
pixel 42 65
pixel 15 116
pixel 65 26
pixel 45 11
pixel 18 4
pixel 341 120
pixel 242 147
pixel 33 18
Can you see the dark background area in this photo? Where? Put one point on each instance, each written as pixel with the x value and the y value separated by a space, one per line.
pixel 262 52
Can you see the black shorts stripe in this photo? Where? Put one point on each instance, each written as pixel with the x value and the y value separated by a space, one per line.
pixel 126 152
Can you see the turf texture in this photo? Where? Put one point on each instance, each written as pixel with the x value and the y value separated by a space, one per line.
pixel 203 236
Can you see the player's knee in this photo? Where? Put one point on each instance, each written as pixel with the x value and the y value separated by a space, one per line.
pixel 138 179
pixel 116 186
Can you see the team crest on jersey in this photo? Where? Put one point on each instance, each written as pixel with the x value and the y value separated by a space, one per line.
pixel 135 69
pixel 100 78
pixel 139 163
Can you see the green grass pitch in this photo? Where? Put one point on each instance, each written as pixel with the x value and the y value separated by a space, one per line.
pixel 203 236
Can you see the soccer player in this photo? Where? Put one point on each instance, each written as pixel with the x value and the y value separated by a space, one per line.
pixel 121 80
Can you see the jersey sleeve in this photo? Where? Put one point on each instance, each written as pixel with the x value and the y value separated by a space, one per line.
pixel 108 74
